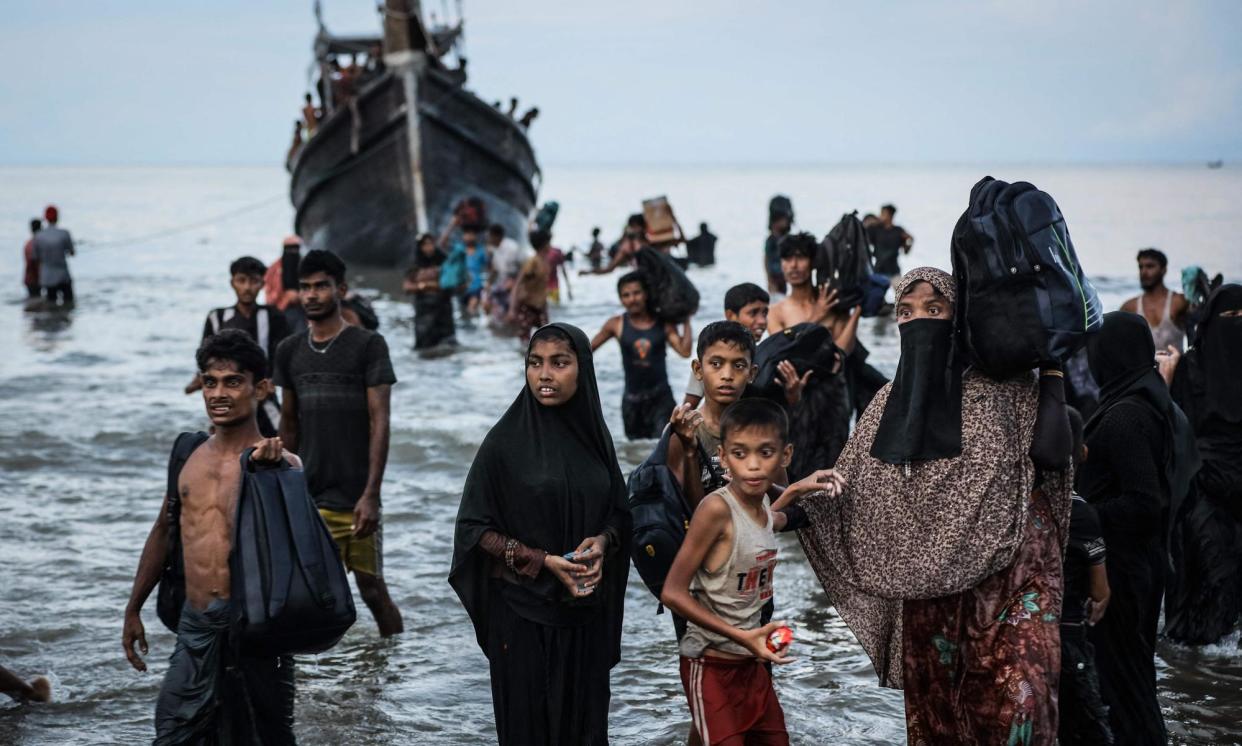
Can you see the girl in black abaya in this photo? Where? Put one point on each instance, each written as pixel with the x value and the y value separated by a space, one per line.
pixel 546 483
pixel 1205 595
pixel 1130 442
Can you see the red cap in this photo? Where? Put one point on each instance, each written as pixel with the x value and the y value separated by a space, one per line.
pixel 51 214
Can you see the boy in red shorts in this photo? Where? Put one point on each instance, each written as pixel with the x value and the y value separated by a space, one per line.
pixel 722 577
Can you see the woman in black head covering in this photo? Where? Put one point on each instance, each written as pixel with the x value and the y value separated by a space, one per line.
pixel 1130 442
pixel 433 305
pixel 546 483
pixel 1204 600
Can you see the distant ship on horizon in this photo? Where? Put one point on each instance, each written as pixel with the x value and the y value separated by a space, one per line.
pixel 405 147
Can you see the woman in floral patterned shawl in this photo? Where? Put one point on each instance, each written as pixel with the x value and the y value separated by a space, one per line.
pixel 944 553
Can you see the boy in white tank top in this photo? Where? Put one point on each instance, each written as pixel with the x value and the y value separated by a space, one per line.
pixel 722 577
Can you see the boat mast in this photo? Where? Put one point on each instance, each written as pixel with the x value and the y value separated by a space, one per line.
pixel 405 54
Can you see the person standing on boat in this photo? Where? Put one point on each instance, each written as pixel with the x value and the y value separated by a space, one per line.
pixel 53 247
pixel 1164 309
pixel 310 116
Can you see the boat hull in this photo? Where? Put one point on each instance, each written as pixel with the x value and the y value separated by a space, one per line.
pixel 353 184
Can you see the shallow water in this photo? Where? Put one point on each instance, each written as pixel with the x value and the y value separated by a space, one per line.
pixel 92 402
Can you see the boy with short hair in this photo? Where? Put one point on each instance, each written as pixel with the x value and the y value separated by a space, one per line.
pixel 643 339
pixel 747 304
pixel 265 325
pixel 722 577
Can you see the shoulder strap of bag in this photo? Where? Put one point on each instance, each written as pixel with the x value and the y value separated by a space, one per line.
pixel 185 445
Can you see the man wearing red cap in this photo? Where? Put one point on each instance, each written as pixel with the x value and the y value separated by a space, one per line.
pixel 52 249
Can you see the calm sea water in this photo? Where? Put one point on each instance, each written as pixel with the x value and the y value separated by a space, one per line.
pixel 92 401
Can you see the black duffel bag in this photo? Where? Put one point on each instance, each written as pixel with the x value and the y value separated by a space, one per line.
pixel 843 261
pixel 1023 297
pixel 290 593
pixel 806 346
pixel 670 294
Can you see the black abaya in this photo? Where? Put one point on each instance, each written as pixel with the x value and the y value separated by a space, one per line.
pixel 547 477
pixel 1204 601
pixel 1129 442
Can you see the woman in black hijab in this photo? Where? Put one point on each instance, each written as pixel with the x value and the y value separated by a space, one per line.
pixel 1130 442
pixel 546 483
pixel 1205 594
pixel 433 305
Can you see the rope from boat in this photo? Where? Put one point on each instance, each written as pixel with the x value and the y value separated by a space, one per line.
pixel 174 230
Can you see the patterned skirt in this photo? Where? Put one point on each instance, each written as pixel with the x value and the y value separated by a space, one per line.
pixel 982 666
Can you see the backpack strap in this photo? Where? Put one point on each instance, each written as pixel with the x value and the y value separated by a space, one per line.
pixel 264 327
pixel 186 444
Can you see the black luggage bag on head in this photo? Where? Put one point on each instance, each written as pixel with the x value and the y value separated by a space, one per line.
pixel 671 295
pixel 843 260
pixel 807 346
pixel 1023 296
pixel 290 593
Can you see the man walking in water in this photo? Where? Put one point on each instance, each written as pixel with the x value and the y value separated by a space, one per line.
pixel 1164 309
pixel 210 693
pixel 52 248
pixel 336 380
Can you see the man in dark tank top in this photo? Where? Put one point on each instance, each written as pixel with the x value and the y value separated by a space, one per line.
pixel 648 400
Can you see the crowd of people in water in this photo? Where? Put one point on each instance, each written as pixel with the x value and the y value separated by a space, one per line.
pixel 1001 549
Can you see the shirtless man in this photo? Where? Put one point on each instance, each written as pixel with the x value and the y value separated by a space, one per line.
pixel 1164 309
pixel 805 302
pixel 210 694
pixel 820 423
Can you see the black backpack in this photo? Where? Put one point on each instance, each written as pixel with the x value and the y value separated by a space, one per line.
pixel 807 346
pixel 660 516
pixel 170 597
pixel 670 294
pixel 1023 297
pixel 843 261
pixel 289 589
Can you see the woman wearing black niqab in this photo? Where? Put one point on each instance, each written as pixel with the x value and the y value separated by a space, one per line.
pixel 1204 599
pixel 1129 442
pixel 544 483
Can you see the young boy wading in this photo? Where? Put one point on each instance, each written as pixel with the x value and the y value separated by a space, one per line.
pixel 335 382
pixel 210 694
pixel 722 577
pixel 644 341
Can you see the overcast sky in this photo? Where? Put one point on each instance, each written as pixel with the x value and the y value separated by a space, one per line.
pixel 653 81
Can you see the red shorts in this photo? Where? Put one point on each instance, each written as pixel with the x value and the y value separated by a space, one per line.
pixel 732 702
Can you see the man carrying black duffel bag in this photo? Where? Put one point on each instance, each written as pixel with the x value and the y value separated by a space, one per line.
pixel 212 692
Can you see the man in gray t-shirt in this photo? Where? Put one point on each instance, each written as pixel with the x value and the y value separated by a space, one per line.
pixel 52 248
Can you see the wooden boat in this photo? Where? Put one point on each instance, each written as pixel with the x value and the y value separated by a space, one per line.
pixel 394 158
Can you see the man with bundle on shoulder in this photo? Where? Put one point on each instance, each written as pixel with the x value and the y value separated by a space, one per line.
pixel 210 693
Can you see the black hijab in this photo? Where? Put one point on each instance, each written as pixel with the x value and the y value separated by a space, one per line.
pixel 548 477
pixel 1208 382
pixel 1122 358
pixel 922 419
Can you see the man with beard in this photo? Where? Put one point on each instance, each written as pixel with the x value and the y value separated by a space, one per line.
pixel 1164 309
pixel 1204 600
pixel 336 381
pixel 819 426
